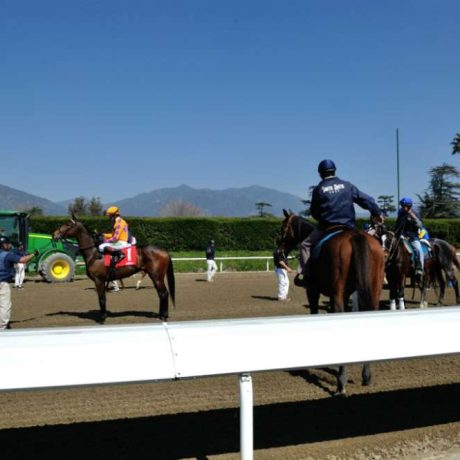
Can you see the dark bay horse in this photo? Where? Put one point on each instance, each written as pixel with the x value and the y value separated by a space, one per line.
pixel 350 261
pixel 156 262
pixel 399 267
pixel 445 261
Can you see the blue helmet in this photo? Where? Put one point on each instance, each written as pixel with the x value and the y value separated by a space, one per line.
pixel 406 201
pixel 326 165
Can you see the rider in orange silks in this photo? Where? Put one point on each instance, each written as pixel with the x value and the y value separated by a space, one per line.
pixel 119 238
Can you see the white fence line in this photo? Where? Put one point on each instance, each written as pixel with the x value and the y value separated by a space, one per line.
pixel 266 258
pixel 60 357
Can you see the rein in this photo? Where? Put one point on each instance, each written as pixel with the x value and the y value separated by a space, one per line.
pixel 393 247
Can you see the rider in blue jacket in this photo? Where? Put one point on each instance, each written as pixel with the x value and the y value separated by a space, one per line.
pixel 332 204
pixel 408 224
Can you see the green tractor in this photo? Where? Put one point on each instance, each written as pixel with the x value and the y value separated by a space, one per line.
pixel 56 259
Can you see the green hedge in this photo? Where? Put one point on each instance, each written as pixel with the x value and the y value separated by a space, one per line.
pixel 192 234
pixel 184 234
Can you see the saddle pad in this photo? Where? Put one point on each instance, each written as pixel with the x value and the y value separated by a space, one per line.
pixel 408 247
pixel 317 248
pixel 130 258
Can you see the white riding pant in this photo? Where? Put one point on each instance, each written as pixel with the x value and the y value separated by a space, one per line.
pixel 211 270
pixel 20 274
pixel 117 245
pixel 5 304
pixel 283 283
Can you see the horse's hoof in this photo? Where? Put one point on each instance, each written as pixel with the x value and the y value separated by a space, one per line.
pixel 163 318
pixel 340 393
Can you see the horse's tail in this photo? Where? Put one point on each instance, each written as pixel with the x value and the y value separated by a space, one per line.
pixel 455 258
pixel 171 281
pixel 361 258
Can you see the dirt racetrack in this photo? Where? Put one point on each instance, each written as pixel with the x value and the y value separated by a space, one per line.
pixel 410 411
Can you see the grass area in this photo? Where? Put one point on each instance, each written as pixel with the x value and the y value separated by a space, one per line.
pixel 199 266
pixel 227 265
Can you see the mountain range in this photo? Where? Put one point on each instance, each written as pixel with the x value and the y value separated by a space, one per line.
pixel 231 202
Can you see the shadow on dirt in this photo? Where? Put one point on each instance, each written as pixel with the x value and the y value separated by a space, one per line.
pixel 265 297
pixel 200 434
pixel 94 315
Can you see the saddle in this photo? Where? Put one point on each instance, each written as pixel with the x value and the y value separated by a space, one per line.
pixel 129 257
pixel 316 250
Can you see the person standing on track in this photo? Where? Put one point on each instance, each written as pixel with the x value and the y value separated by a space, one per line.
pixel 281 270
pixel 7 261
pixel 211 263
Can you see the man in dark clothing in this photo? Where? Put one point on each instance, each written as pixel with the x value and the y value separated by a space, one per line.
pixel 332 204
pixel 211 263
pixel 281 270
pixel 7 261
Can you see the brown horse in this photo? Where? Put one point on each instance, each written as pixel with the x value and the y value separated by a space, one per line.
pixel 350 261
pixel 156 262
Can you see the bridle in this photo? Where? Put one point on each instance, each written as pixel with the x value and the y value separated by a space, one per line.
pixel 393 247
pixel 288 230
pixel 68 226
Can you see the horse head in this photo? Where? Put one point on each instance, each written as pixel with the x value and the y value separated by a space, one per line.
pixel 68 230
pixel 294 229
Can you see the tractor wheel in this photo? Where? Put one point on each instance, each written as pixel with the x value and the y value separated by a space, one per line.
pixel 58 268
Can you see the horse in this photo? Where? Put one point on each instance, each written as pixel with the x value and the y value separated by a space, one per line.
pixel 399 267
pixel 155 261
pixel 445 261
pixel 351 261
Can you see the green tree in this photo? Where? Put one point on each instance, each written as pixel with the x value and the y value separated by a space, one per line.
pixel 307 202
pixel 260 207
pixel 441 199
pixel 386 204
pixel 34 211
pixel 456 144
pixel 78 206
pixel 94 207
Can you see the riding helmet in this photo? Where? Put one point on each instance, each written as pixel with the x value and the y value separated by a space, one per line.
pixel 406 201
pixel 4 239
pixel 112 211
pixel 326 166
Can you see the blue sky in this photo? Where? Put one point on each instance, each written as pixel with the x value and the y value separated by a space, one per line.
pixel 115 98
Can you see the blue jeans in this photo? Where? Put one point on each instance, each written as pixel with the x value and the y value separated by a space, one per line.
pixel 417 246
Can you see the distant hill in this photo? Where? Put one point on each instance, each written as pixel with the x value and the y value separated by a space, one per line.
pixel 232 202
pixel 15 200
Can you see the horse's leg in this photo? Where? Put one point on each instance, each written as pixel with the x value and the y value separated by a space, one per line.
pixel 366 374
pixel 454 283
pixel 450 275
pixel 393 288
pixel 424 289
pixel 163 295
pixel 313 299
pixel 100 288
pixel 341 382
pixel 400 293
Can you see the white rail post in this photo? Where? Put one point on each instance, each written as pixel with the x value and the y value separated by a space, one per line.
pixel 246 418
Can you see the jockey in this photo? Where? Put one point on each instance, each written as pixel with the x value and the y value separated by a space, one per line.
pixel 332 204
pixel 119 238
pixel 408 224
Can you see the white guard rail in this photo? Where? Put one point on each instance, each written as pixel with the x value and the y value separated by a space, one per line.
pixel 59 357
pixel 221 259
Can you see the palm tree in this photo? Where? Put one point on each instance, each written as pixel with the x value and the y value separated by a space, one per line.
pixel 456 144
pixel 260 207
